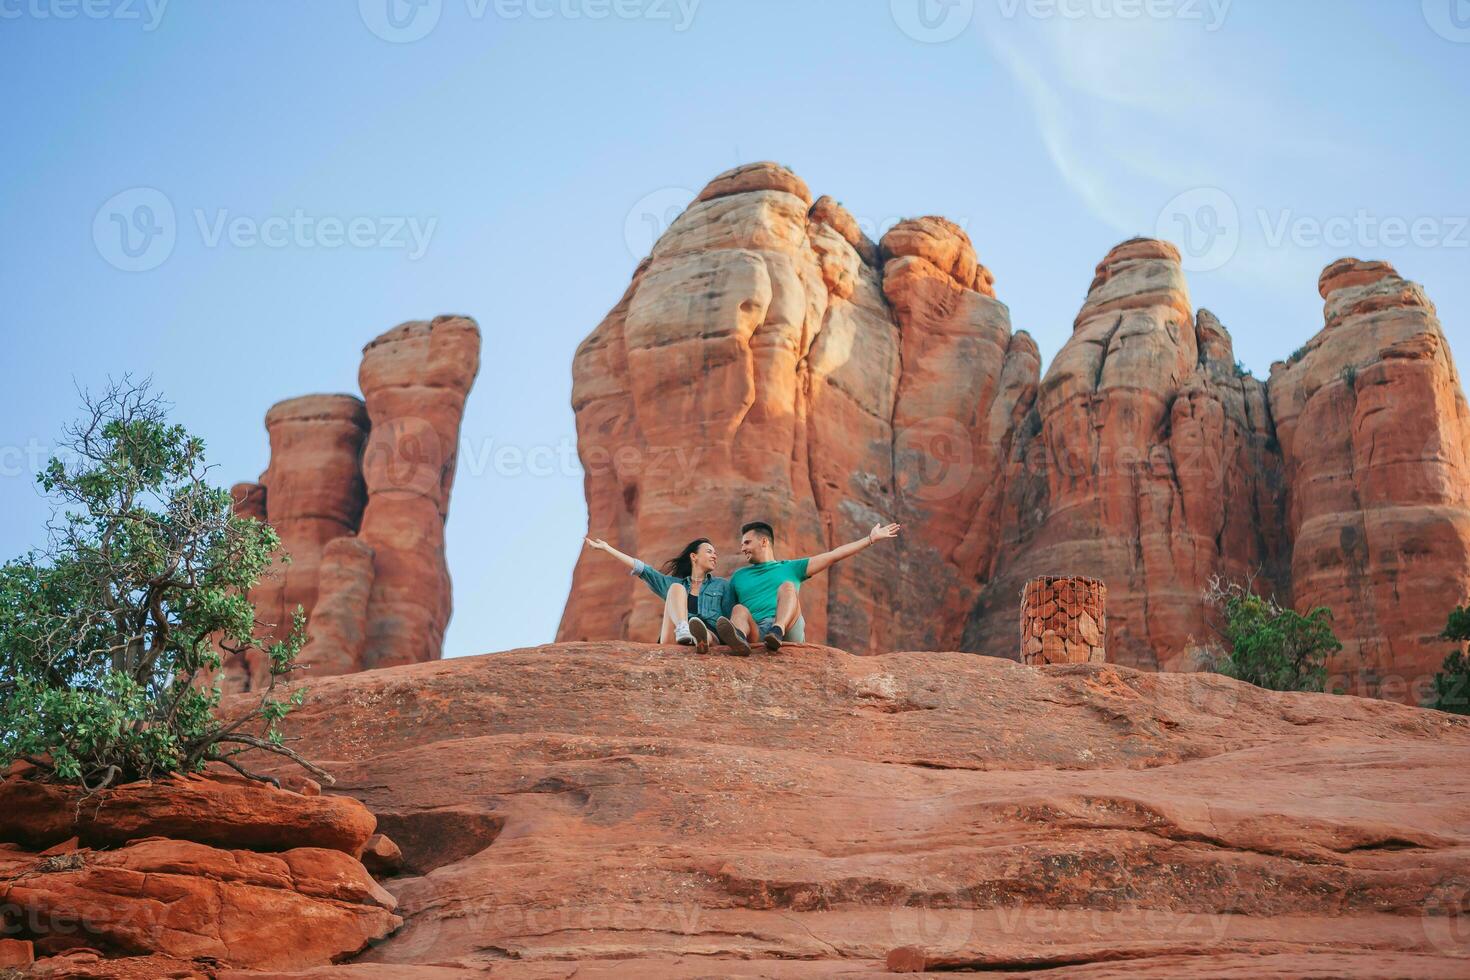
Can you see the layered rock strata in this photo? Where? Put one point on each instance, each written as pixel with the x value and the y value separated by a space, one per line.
pixel 184 876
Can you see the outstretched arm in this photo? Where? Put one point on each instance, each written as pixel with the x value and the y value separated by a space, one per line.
pixel 652 577
pixel 597 544
pixel 822 562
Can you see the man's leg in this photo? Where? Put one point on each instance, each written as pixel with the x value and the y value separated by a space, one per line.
pixel 743 620
pixel 726 627
pixel 676 617
pixel 788 605
pixel 788 611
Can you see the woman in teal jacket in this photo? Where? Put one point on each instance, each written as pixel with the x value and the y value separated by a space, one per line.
pixel 694 598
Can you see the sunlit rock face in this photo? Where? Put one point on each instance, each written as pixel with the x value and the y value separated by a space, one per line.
pixel 769 361
pixel 1375 432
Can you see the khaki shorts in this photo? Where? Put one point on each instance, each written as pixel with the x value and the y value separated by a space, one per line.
pixel 796 634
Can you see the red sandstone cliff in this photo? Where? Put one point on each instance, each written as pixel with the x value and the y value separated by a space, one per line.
pixel 769 361
pixel 358 490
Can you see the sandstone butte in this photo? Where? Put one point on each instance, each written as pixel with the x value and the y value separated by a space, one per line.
pixel 358 489
pixel 615 809
pixel 822 381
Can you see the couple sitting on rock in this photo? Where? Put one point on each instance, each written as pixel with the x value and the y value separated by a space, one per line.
pixel 761 600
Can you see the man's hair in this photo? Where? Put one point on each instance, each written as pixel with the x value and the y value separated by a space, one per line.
pixel 760 527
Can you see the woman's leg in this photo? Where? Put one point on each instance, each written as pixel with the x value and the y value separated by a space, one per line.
pixel 676 611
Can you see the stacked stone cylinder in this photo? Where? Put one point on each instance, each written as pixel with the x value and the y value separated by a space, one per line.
pixel 1064 621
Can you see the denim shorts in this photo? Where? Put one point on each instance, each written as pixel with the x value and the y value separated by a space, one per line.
pixel 796 634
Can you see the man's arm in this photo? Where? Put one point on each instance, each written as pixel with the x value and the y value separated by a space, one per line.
pixel 822 562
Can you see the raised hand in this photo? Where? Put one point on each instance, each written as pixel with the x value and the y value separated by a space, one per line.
pixel 881 531
pixel 597 544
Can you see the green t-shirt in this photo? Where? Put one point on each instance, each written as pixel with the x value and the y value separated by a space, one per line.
pixel 755 586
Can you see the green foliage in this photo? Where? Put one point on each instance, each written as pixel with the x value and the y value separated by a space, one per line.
pixel 1350 376
pixel 1271 647
pixel 110 639
pixel 1452 683
pixel 1297 355
pixel 1241 371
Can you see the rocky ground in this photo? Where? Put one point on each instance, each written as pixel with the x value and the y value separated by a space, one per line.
pixel 615 809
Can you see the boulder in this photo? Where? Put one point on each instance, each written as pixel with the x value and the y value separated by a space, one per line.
pixel 172 898
pixel 222 810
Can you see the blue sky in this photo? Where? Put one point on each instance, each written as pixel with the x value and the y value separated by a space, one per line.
pixel 511 159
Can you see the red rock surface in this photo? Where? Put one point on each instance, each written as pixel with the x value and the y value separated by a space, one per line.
pixel 359 492
pixel 162 887
pixel 615 809
pixel 768 361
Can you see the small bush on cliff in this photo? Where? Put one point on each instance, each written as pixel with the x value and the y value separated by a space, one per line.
pixel 1452 683
pixel 108 638
pixel 1269 646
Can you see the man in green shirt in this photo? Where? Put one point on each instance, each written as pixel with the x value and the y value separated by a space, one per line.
pixel 767 591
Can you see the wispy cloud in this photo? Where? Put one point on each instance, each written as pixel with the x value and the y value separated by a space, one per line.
pixel 1135 113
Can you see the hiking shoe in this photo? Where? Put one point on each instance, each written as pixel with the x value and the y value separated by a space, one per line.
pixel 773 638
pixel 682 636
pixel 701 635
pixel 732 637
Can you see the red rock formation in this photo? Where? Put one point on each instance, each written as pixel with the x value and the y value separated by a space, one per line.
pixel 415 378
pixel 806 815
pixel 359 493
pixel 1146 462
pixel 695 388
pixel 173 893
pixel 1376 435
pixel 311 493
pixel 768 361
pixel 761 325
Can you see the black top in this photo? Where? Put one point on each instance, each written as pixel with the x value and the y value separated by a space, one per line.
pixel 693 605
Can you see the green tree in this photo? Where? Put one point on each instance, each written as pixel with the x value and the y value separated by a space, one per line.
pixel 1452 683
pixel 1271 647
pixel 110 637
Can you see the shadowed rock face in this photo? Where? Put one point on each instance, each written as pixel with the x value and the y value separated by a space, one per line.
pixel 770 362
pixel 617 809
pixel 358 489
